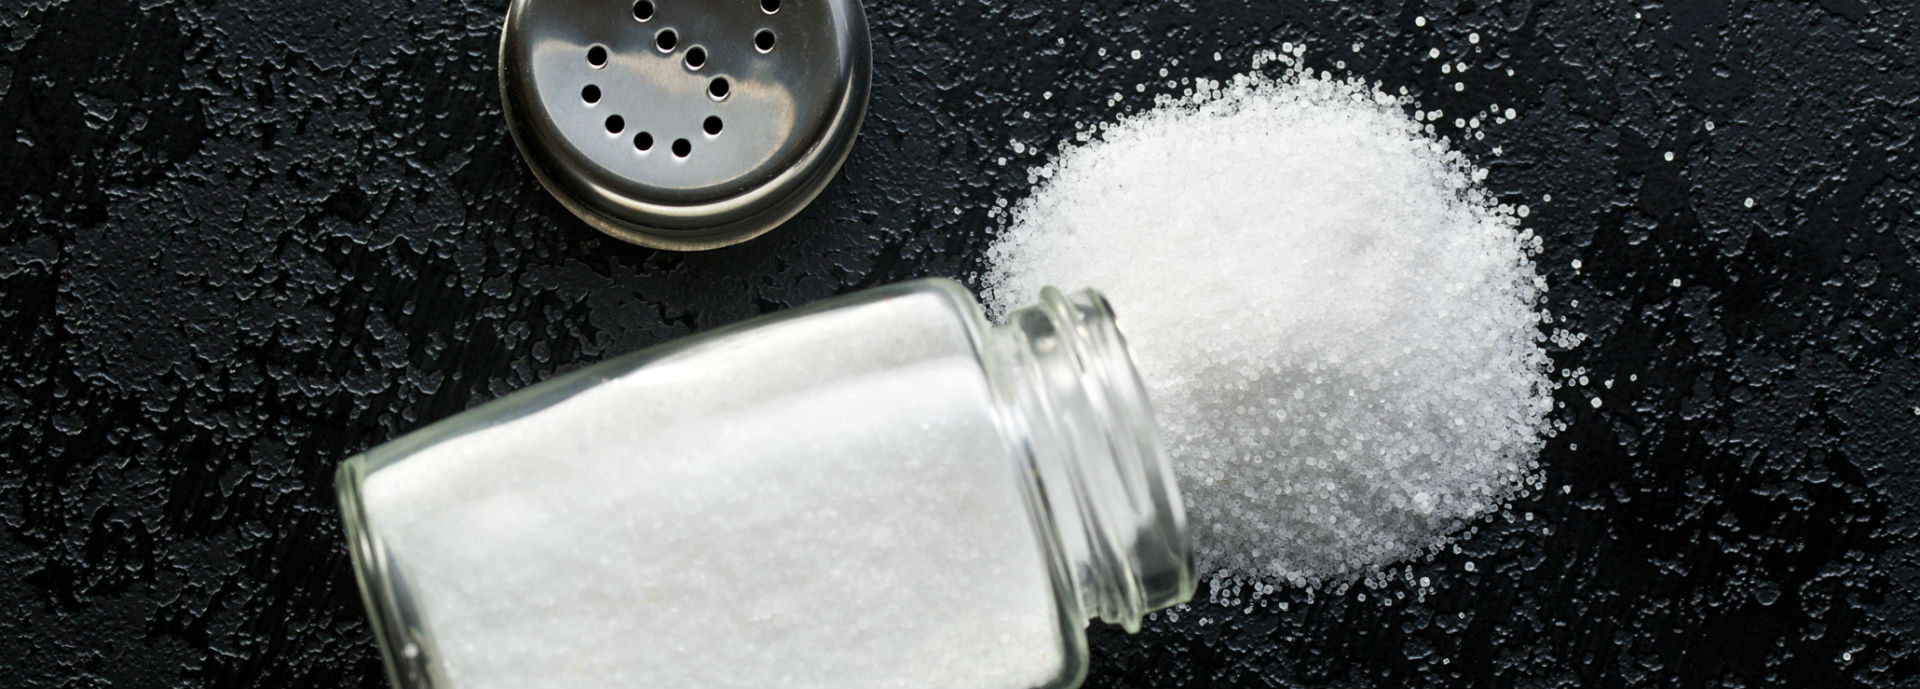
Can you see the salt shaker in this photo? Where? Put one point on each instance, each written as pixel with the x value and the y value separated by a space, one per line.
pixel 881 489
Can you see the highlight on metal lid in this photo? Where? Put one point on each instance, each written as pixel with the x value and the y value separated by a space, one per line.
pixel 685 124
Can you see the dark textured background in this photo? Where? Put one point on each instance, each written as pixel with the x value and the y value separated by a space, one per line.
pixel 243 240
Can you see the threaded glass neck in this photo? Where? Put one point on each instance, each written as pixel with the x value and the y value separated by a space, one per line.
pixel 1106 492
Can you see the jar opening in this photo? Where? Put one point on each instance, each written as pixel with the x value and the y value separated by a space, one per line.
pixel 1111 500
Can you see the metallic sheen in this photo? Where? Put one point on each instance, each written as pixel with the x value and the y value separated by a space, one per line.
pixel 587 85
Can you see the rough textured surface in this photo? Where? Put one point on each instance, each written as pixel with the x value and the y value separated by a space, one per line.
pixel 243 240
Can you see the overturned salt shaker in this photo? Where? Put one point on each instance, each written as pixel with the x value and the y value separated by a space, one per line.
pixel 881 489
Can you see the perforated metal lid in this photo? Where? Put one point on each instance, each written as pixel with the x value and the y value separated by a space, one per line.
pixel 685 124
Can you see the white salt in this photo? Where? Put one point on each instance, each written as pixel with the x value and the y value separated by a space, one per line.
pixel 1337 324
pixel 802 522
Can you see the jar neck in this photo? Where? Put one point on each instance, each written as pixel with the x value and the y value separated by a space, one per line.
pixel 1102 491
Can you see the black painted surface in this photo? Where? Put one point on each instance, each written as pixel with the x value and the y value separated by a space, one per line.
pixel 245 239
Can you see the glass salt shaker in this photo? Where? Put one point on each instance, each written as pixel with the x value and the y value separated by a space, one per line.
pixel 881 489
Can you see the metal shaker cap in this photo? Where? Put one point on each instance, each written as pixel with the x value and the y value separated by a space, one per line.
pixel 685 124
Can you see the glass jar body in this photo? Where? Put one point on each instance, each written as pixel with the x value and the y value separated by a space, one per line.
pixel 838 495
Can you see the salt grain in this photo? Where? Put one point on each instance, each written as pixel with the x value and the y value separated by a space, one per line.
pixel 1338 325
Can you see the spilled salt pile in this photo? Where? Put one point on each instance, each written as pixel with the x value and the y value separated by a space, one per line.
pixel 1338 325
